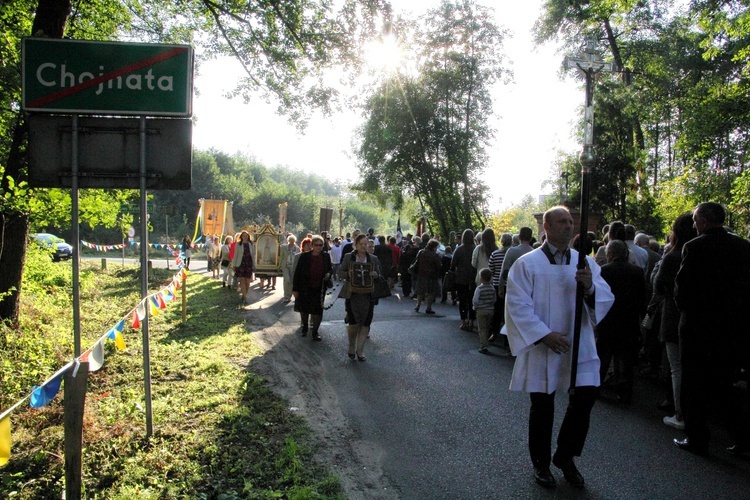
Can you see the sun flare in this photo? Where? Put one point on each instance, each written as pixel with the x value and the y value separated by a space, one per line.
pixel 384 54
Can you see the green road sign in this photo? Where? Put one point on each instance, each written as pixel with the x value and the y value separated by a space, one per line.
pixel 106 78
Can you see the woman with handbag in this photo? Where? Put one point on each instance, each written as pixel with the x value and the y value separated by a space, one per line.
pixel 243 263
pixel 312 274
pixel 360 269
pixel 428 276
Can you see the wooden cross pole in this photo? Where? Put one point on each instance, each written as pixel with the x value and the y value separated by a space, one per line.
pixel 589 64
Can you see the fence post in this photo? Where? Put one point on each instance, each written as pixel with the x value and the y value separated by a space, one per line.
pixel 184 298
pixel 73 406
pixel 104 264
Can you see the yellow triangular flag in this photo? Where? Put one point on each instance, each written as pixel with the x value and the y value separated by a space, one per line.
pixel 153 309
pixel 4 440
pixel 119 340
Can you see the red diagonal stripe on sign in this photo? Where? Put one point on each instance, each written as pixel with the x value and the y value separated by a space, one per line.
pixel 42 101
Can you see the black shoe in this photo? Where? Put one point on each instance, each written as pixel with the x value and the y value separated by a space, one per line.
pixel 352 355
pixel 692 446
pixel 569 470
pixel 429 311
pixel 304 331
pixel 544 477
pixel 316 336
pixel 361 358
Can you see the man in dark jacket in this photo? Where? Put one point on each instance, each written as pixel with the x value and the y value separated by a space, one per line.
pixel 711 291
pixel 618 334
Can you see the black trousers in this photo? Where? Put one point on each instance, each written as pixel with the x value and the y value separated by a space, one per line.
pixel 465 296
pixel 708 377
pixel 498 319
pixel 574 429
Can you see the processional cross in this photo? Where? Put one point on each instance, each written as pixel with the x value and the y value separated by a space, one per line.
pixel 589 65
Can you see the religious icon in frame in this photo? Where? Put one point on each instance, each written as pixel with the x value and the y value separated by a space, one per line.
pixel 360 280
pixel 267 251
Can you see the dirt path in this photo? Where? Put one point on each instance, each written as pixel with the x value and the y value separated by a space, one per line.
pixel 299 375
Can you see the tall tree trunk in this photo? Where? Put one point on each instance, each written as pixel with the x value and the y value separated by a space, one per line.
pixel 14 233
pixel 50 20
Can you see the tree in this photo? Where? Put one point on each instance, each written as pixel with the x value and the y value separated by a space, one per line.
pixel 284 47
pixel 676 119
pixel 425 134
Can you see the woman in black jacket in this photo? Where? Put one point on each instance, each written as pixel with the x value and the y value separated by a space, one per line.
pixel 312 274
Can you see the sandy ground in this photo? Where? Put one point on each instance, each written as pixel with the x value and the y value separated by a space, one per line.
pixel 299 376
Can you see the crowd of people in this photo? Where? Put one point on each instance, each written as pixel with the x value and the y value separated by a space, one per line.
pixel 669 310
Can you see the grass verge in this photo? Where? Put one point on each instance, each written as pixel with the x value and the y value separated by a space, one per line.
pixel 219 432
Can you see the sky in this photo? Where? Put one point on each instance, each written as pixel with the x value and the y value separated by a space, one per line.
pixel 533 117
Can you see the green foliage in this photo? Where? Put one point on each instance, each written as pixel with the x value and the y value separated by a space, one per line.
pixel 219 432
pixel 511 220
pixel 426 134
pixel 676 117
pixel 740 204
pixel 674 199
pixel 256 193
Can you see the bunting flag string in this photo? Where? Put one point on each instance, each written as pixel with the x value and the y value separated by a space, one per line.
pixel 42 395
pixel 108 248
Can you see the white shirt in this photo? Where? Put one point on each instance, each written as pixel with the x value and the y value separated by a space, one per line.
pixel 336 254
pixel 639 255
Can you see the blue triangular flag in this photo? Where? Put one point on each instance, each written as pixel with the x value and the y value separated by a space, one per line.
pixel 41 396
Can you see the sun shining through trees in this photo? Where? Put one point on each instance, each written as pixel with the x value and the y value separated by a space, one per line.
pixel 384 54
pixel 427 129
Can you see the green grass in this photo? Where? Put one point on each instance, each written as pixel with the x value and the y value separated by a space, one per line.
pixel 219 432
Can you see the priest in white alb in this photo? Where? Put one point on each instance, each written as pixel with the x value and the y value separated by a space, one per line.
pixel 540 316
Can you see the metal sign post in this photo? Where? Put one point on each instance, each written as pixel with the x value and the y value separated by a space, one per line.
pixel 76 77
pixel 76 238
pixel 144 282
pixel 590 64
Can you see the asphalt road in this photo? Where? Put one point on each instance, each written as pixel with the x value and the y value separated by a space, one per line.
pixel 448 426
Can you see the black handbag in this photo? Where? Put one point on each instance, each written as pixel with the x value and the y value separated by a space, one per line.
pixel 381 289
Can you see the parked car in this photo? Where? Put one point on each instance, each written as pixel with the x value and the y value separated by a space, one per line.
pixel 61 249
